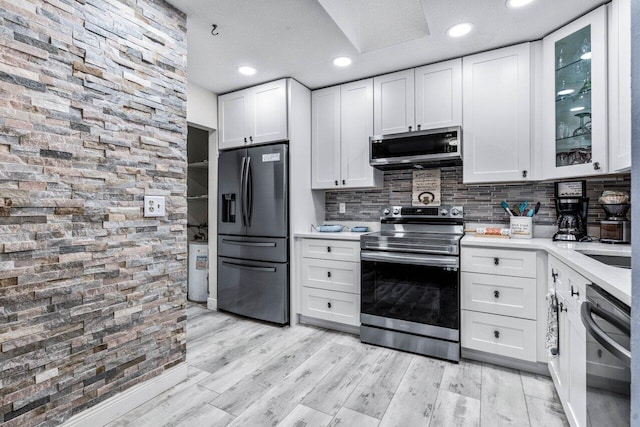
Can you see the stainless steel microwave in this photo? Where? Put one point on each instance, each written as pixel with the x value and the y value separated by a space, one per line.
pixel 420 149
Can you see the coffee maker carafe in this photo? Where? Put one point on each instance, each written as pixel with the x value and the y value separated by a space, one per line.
pixel 572 207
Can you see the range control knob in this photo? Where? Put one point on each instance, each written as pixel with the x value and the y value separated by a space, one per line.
pixel 386 211
pixel 455 211
pixel 444 212
pixel 396 211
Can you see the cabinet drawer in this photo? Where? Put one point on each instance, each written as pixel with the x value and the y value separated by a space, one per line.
pixel 334 275
pixel 505 262
pixel 504 295
pixel 340 250
pixel 501 335
pixel 338 307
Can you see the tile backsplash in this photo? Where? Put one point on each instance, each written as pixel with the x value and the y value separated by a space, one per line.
pixel 481 201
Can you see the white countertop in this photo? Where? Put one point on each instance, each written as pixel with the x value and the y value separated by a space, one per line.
pixel 615 280
pixel 341 235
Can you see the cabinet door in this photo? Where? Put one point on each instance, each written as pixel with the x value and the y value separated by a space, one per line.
pixel 393 99
pixel 439 95
pixel 357 127
pixel 496 115
pixel 619 85
pixel 575 98
pixel 232 109
pixel 577 399
pixel 267 113
pixel 325 138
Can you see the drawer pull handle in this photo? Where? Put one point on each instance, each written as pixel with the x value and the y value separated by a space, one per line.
pixel 496 294
pixel 328 274
pixel 496 334
pixel 344 182
pixel 336 182
pixel 554 274
pixel 329 249
pixel 563 308
pixel 576 293
pixel 329 304
pixel 496 261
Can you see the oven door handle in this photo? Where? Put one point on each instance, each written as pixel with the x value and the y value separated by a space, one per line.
pixel 601 336
pixel 413 259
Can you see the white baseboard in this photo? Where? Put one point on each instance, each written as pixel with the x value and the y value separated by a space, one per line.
pixel 212 304
pixel 116 406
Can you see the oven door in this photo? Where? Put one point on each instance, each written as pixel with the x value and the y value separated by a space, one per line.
pixel 414 293
pixel 608 325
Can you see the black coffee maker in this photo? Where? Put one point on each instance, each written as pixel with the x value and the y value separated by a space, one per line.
pixel 572 206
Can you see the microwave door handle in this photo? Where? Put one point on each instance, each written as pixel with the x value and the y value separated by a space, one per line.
pixel 586 309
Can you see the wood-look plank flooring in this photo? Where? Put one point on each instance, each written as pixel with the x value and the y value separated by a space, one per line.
pixel 249 373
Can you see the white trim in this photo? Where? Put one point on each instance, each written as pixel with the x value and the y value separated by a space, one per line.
pixel 212 304
pixel 116 406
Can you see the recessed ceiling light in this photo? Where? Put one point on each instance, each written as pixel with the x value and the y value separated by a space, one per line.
pixel 246 70
pixel 459 30
pixel 576 109
pixel 565 92
pixel 586 55
pixel 342 61
pixel 518 3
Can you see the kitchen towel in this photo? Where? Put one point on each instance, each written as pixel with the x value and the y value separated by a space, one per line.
pixel 551 343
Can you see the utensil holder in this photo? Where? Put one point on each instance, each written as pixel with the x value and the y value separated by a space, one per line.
pixel 521 227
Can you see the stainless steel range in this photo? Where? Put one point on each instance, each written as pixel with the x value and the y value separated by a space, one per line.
pixel 410 281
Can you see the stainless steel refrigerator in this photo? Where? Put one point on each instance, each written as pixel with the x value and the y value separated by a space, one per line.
pixel 253 232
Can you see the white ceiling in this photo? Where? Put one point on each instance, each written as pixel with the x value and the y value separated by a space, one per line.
pixel 298 38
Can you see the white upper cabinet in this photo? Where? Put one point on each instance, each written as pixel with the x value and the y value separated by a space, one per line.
pixel 619 85
pixel 438 95
pixel 325 137
pixel 496 128
pixel 255 115
pixel 341 124
pixel 393 103
pixel 575 98
pixel 232 109
pixel 357 127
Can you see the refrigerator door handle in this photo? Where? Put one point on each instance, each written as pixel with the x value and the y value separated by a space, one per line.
pixel 242 185
pixel 250 267
pixel 249 181
pixel 243 243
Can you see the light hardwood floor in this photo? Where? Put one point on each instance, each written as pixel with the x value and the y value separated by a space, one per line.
pixel 248 373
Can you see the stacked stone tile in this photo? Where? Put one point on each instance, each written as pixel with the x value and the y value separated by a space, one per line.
pixel 481 201
pixel 92 118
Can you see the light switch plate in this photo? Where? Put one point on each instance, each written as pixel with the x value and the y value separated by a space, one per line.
pixel 343 207
pixel 154 206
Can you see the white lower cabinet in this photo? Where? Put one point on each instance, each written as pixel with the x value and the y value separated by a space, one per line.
pixel 498 301
pixel 569 368
pixel 329 280
pixel 501 335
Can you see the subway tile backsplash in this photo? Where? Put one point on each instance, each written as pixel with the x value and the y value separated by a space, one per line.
pixel 481 201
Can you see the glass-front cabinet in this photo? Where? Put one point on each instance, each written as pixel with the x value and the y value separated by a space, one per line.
pixel 575 98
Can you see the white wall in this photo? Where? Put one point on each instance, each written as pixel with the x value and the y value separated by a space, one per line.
pixel 202 107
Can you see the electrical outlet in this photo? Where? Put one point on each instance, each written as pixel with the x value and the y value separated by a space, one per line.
pixel 343 207
pixel 154 206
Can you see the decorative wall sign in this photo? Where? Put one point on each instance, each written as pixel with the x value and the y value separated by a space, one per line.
pixel 426 188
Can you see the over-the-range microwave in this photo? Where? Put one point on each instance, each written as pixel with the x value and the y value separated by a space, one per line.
pixel 419 149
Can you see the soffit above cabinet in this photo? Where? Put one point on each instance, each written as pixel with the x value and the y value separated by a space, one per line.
pixel 299 38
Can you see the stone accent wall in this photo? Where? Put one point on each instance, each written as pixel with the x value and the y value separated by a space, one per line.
pixel 481 201
pixel 92 118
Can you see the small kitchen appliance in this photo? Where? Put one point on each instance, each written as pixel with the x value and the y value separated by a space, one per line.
pixel 571 207
pixel 616 228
